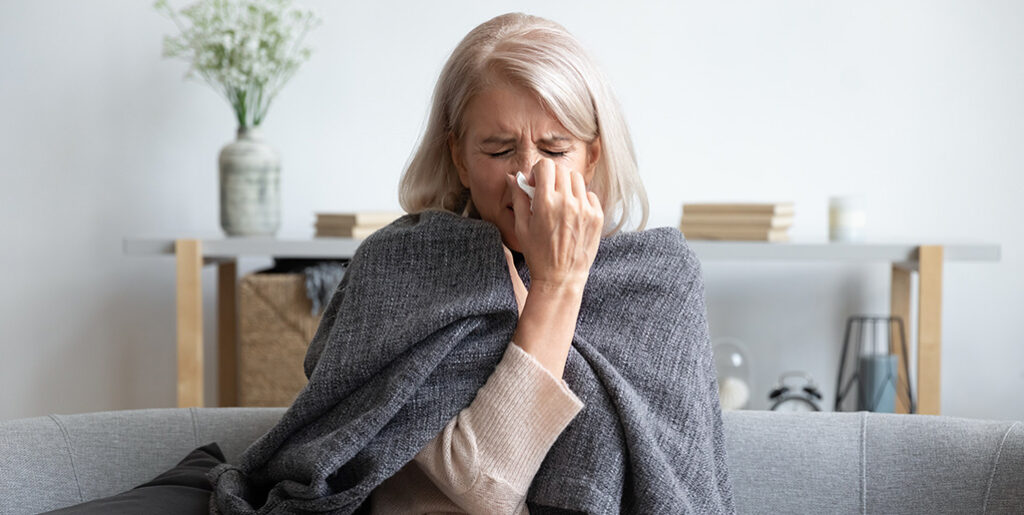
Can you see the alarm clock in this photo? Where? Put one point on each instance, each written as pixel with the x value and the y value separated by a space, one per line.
pixel 803 396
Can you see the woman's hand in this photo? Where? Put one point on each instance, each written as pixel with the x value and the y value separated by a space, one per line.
pixel 559 238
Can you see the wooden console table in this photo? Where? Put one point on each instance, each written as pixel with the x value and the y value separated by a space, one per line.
pixel 191 255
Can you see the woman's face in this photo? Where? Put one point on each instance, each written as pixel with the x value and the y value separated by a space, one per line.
pixel 507 131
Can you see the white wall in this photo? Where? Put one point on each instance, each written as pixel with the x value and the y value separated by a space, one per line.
pixel 917 104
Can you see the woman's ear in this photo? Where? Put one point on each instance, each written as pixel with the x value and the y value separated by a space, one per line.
pixel 456 151
pixel 593 156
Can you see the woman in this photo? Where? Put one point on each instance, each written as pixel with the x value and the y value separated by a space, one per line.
pixel 518 94
pixel 494 114
pixel 432 389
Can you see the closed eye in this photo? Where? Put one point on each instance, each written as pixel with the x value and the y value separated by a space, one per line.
pixel 506 152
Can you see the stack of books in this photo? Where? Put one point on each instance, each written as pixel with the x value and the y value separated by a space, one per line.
pixel 352 225
pixel 749 222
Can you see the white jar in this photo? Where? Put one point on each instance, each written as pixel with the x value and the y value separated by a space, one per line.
pixel 846 218
pixel 250 185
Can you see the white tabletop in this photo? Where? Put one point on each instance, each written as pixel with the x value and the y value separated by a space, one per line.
pixel 325 248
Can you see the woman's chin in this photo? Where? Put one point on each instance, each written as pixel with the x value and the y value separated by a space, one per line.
pixel 508 236
pixel 511 242
pixel 506 225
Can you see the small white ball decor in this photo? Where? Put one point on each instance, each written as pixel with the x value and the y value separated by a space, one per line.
pixel 733 372
pixel 733 393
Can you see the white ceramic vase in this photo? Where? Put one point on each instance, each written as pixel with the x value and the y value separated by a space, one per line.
pixel 250 186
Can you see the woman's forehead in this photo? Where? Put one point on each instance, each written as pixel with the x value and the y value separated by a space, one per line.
pixel 507 108
pixel 505 137
pixel 502 127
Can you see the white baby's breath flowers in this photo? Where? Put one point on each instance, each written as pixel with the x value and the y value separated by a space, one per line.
pixel 245 49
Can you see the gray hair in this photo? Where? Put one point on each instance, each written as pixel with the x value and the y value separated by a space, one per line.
pixel 545 58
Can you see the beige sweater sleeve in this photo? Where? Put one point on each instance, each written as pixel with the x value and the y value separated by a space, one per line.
pixel 486 457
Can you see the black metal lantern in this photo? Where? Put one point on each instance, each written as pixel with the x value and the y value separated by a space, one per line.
pixel 869 363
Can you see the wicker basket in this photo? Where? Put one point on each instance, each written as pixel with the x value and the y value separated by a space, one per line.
pixel 275 328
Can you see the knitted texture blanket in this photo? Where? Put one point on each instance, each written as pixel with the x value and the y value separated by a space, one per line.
pixel 421 319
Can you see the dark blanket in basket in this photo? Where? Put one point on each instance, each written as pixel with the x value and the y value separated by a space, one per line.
pixel 417 325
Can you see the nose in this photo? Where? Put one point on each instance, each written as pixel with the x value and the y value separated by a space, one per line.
pixel 525 163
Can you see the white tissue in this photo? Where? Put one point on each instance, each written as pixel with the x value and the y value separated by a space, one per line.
pixel 521 179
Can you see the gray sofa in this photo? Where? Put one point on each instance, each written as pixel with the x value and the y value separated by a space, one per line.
pixel 779 462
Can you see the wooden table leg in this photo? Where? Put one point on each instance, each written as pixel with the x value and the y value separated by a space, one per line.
pixel 899 303
pixel 929 329
pixel 227 354
pixel 189 257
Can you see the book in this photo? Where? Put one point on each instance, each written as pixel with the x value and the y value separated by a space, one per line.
pixel 367 218
pixel 751 220
pixel 777 208
pixel 741 233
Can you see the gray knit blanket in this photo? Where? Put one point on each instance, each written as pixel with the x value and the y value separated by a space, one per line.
pixel 421 319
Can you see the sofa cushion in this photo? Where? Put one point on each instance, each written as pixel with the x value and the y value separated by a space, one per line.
pixel 182 489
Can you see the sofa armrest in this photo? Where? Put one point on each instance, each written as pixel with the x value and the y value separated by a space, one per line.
pixel 873 463
pixel 60 460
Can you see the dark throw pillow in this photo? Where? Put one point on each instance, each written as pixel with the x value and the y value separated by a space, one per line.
pixel 181 490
